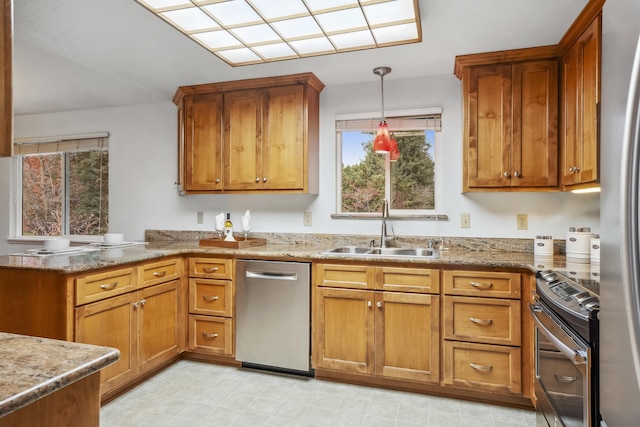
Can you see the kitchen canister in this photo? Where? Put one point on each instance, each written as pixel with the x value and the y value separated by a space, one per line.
pixel 594 249
pixel 578 244
pixel 543 246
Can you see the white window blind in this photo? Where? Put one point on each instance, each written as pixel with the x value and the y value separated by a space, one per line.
pixel 61 144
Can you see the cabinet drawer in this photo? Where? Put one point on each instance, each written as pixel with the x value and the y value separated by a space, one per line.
pixel 345 276
pixel 212 268
pixel 160 272
pixel 482 367
pixel 212 297
pixel 98 286
pixel 414 280
pixel 482 283
pixel 208 334
pixel 491 321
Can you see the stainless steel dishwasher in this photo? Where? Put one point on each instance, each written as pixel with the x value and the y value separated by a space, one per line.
pixel 273 316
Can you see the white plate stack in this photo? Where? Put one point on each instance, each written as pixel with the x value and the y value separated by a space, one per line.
pixel 578 244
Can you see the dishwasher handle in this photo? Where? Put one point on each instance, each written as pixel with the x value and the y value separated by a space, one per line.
pixel 271 275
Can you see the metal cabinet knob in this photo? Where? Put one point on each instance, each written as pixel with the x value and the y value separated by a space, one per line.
pixel 368 303
pixel 506 174
pixel 143 302
pixel 379 304
pixel 257 179
pixel 264 179
pixel 516 174
pixel 217 180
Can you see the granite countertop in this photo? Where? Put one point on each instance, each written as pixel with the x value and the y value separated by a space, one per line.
pixel 33 367
pixel 296 251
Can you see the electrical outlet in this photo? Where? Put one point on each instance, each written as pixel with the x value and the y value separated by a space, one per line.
pixel 200 218
pixel 465 220
pixel 523 221
pixel 307 218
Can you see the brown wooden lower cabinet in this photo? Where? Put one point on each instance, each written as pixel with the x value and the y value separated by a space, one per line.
pixel 385 334
pixel 145 325
pixel 483 367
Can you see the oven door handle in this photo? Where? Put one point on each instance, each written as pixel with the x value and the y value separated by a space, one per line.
pixel 552 331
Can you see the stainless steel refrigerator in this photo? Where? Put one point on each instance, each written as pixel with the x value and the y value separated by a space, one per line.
pixel 619 215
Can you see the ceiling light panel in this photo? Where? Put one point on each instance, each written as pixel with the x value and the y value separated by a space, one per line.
pixel 242 32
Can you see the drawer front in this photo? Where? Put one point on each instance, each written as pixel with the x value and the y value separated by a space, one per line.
pixel 161 271
pixel 491 321
pixel 212 268
pixel 482 283
pixel 413 280
pixel 95 287
pixel 482 367
pixel 211 297
pixel 213 335
pixel 345 276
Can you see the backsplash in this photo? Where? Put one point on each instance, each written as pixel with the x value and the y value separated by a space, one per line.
pixel 328 240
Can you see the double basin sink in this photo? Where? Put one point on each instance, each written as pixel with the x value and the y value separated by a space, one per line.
pixel 365 251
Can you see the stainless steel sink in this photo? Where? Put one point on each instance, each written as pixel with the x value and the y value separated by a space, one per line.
pixel 390 252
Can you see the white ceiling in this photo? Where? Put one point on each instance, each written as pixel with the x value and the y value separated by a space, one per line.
pixel 79 54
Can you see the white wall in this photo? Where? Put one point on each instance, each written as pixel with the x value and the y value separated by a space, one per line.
pixel 143 168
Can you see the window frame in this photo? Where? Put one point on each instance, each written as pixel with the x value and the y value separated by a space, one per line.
pixel 396 213
pixel 17 175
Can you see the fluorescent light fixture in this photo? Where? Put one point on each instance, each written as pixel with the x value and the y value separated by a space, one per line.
pixel 243 32
pixel 586 190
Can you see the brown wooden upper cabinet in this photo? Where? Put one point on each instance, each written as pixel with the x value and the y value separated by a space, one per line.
pixel 531 115
pixel 511 126
pixel 580 108
pixel 6 97
pixel 250 136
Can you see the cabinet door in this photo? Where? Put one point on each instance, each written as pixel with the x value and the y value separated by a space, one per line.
pixel 407 336
pixel 283 145
pixel 203 142
pixel 243 140
pixel 534 155
pixel 161 324
pixel 580 101
pixel 488 126
pixel 111 323
pixel 343 330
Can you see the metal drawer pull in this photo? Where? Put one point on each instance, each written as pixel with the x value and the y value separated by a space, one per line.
pixel 160 273
pixel 109 286
pixel 565 378
pixel 208 298
pixel 481 285
pixel 209 269
pixel 481 367
pixel 206 335
pixel 485 322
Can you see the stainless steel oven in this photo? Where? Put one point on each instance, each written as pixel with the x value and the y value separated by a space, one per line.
pixel 566 351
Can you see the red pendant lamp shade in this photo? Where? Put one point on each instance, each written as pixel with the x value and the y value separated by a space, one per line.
pixel 382 143
pixel 394 151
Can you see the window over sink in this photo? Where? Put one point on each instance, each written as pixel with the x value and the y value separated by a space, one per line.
pixel 365 178
pixel 61 186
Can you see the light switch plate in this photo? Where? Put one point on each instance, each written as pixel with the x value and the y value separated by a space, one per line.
pixel 307 220
pixel 523 221
pixel 200 218
pixel 465 220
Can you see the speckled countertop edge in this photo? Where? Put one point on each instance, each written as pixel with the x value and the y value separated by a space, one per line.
pixel 33 367
pixel 457 256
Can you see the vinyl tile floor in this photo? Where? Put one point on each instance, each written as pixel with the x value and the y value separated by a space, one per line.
pixel 194 394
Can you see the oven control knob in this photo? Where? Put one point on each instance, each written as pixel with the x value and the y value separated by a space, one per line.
pixel 549 275
pixel 581 297
pixel 590 303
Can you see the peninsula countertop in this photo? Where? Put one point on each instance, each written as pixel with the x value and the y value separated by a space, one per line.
pixel 32 367
pixel 455 257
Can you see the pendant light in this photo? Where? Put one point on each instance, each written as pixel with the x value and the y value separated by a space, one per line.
pixel 382 142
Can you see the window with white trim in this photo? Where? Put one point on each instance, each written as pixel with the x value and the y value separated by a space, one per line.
pixel 366 178
pixel 62 186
